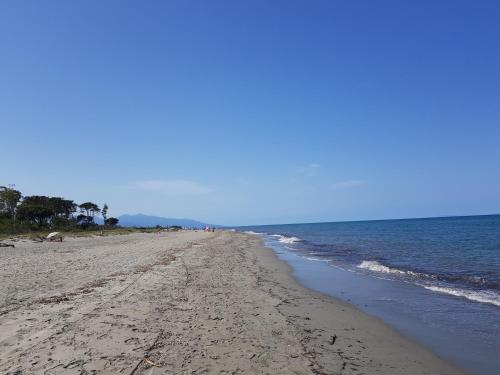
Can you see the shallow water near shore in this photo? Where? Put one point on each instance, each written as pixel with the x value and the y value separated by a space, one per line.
pixel 435 280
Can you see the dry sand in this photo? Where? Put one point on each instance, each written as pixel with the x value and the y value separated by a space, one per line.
pixel 186 302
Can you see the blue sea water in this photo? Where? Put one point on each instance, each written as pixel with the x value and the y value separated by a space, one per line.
pixel 436 280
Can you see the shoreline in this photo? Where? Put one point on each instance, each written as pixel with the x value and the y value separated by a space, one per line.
pixel 184 302
pixel 390 271
pixel 397 341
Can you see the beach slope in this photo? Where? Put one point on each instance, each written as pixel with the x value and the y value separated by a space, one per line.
pixel 185 302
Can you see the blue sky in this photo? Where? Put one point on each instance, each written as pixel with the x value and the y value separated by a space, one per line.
pixel 254 112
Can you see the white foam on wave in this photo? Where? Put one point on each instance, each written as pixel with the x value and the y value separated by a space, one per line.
pixel 317 259
pixel 375 266
pixel 477 296
pixel 289 239
pixel 252 232
pixel 285 239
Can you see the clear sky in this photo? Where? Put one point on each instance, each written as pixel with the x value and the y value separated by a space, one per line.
pixel 254 112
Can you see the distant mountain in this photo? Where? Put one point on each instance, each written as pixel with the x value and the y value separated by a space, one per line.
pixel 141 220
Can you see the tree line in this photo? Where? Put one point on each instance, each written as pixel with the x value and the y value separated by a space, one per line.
pixel 20 213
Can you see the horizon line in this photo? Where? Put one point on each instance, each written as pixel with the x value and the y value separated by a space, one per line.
pixel 360 221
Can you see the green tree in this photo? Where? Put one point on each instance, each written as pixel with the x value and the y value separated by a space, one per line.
pixel 9 199
pixel 37 200
pixel 62 208
pixel 34 214
pixel 31 207
pixel 89 209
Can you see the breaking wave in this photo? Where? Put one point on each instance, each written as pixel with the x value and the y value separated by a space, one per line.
pixel 473 295
pixel 483 296
pixel 285 239
pixel 375 266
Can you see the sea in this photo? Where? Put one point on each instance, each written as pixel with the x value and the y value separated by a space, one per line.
pixel 436 280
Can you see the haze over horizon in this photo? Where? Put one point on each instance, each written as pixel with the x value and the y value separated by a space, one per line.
pixel 245 113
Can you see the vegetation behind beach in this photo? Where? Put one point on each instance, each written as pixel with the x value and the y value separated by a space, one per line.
pixel 38 213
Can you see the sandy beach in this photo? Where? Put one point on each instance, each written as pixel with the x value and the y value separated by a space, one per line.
pixel 179 303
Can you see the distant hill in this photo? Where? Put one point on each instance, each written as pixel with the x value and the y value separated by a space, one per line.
pixel 141 220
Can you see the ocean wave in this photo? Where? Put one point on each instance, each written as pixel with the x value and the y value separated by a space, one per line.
pixel 472 281
pixel 252 232
pixel 317 259
pixel 285 239
pixel 375 266
pixel 477 296
pixel 483 296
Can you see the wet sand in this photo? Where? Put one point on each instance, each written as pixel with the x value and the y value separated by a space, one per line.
pixel 179 303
